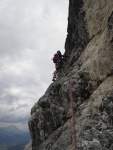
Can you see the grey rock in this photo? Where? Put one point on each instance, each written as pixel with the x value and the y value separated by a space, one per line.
pixel 89 71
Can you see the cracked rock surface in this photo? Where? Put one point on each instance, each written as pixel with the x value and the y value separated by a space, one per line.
pixel 89 44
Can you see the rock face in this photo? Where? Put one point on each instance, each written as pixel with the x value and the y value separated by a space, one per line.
pixel 89 44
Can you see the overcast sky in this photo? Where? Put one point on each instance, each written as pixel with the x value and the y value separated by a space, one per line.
pixel 31 31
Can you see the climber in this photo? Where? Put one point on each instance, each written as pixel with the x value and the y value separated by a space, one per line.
pixel 58 59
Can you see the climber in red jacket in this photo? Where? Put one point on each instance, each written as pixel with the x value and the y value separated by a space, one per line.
pixel 58 60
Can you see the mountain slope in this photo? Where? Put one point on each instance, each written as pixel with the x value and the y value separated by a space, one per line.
pixel 12 135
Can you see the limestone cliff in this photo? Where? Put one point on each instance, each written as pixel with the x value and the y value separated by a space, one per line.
pixel 90 68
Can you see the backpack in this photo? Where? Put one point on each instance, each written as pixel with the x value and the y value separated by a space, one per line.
pixel 55 58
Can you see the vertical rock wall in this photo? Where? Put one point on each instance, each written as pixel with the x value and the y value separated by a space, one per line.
pixel 89 44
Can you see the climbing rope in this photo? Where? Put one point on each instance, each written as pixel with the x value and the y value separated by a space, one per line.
pixel 72 113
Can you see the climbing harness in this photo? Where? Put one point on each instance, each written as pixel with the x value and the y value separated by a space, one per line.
pixel 72 113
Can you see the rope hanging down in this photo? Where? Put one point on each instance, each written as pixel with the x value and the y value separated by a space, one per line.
pixel 72 113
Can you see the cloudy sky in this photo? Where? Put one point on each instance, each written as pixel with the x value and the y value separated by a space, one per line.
pixel 31 31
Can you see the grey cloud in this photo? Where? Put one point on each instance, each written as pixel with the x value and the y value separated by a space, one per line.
pixel 31 32
pixel 14 119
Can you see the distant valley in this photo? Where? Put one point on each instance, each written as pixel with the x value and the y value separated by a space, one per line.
pixel 12 138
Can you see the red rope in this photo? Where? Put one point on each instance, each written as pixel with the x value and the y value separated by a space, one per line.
pixel 72 113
